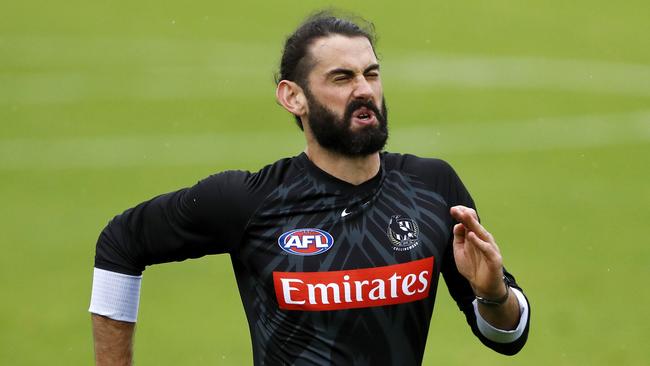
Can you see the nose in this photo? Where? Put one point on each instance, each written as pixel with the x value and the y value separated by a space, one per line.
pixel 362 89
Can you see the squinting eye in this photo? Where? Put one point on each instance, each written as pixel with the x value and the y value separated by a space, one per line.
pixel 372 75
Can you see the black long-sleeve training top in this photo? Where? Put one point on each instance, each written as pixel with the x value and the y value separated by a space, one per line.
pixel 328 272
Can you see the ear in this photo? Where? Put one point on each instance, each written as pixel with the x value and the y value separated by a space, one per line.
pixel 291 96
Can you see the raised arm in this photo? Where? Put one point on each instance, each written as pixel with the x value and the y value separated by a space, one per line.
pixel 496 309
pixel 473 270
pixel 479 260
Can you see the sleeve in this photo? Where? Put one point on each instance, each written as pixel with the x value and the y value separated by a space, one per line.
pixel 500 335
pixel 461 290
pixel 208 218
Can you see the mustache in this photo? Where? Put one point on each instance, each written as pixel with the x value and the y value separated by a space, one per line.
pixel 356 104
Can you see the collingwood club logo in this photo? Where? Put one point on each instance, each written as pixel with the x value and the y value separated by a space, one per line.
pixel 403 233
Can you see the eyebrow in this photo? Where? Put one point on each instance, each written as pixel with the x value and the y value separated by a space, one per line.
pixel 349 72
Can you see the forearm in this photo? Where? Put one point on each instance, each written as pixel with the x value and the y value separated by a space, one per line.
pixel 113 341
pixel 114 307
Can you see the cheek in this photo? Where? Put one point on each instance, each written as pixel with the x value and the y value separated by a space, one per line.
pixel 378 90
pixel 335 102
pixel 336 96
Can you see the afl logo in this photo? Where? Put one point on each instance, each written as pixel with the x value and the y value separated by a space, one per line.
pixel 306 241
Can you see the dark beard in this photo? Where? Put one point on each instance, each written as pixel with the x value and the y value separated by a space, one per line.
pixel 336 135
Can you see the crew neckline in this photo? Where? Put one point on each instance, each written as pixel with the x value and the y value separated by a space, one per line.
pixel 339 184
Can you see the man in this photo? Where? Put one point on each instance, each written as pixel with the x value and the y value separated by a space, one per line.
pixel 337 252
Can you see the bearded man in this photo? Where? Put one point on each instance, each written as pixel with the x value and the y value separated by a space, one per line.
pixel 337 252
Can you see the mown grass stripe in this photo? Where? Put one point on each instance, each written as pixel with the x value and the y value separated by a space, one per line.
pixel 59 69
pixel 235 148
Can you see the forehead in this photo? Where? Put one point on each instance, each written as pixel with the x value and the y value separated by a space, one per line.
pixel 338 51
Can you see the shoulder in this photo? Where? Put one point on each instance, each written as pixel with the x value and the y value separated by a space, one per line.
pixel 437 174
pixel 239 184
pixel 425 168
pixel 232 196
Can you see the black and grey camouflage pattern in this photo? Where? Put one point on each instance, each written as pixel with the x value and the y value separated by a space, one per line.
pixel 394 334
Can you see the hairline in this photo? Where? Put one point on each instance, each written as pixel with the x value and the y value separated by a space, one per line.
pixel 306 64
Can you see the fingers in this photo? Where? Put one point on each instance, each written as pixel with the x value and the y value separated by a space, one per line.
pixel 481 245
pixel 470 241
pixel 458 211
pixel 459 230
pixel 469 218
pixel 469 229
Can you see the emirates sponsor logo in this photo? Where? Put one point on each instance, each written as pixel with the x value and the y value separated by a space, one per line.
pixel 358 288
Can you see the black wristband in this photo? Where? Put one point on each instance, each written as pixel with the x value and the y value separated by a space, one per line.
pixel 499 301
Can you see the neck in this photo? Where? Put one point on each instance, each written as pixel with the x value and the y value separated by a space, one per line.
pixel 354 170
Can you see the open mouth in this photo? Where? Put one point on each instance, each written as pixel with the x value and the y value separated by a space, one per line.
pixel 364 115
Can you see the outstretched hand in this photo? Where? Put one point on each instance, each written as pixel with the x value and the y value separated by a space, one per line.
pixel 477 255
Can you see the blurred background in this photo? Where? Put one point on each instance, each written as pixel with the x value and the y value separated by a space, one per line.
pixel 543 108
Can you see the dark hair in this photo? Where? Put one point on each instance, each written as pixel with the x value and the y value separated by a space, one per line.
pixel 296 63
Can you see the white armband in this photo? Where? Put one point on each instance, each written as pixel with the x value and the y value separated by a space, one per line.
pixel 115 295
pixel 499 335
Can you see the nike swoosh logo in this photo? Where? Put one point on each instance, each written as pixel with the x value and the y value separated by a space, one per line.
pixel 345 213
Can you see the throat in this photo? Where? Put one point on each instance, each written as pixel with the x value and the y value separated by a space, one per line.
pixel 356 170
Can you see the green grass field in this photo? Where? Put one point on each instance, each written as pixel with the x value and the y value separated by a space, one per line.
pixel 542 107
